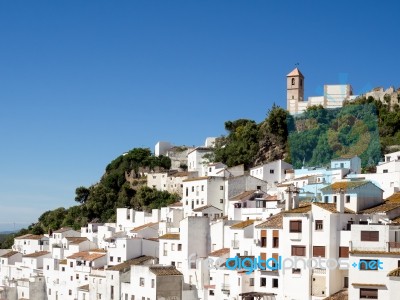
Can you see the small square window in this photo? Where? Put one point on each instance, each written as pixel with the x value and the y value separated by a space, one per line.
pixel 275 282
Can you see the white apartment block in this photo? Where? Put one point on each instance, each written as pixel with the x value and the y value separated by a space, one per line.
pixel 273 172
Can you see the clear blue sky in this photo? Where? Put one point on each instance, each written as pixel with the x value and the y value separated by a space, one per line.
pixel 83 81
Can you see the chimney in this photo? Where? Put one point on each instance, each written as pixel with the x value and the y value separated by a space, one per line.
pixel 288 198
pixel 340 202
pixel 295 198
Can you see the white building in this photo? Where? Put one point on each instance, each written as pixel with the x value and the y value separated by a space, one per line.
pixel 273 172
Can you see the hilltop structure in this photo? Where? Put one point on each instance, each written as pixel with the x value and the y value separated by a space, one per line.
pixel 334 95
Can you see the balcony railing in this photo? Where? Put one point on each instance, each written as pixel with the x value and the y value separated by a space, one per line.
pixel 225 287
pixel 394 247
pixel 235 244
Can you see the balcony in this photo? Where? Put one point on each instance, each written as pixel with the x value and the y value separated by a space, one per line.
pixel 235 244
pixel 226 288
pixel 394 246
pixel 295 236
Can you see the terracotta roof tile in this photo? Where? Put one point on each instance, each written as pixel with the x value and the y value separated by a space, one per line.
pixel 243 224
pixel 303 208
pixel 170 236
pixel 394 273
pixel 29 237
pixel 275 221
pixel 164 270
pixel 136 229
pixel 345 185
pixel 37 254
pixel 394 198
pixel 196 178
pixel 295 72
pixel 200 209
pixel 63 229
pixel 131 262
pixel 359 252
pixel 341 295
pixel 86 255
pixel 76 240
pixel 369 284
pixel 331 207
pixel 248 195
pixel 219 252
pixel 9 254
pixel 381 208
pixel 176 204
pixel 84 288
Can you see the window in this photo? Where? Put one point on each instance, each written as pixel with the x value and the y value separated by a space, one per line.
pixel 275 282
pixel 368 293
pixel 179 247
pixel 368 264
pixel 192 188
pixel 112 292
pixel 152 283
pixel 141 281
pixel 71 264
pixel 334 199
pixel 70 292
pixel 119 259
pixel 239 281
pixel 296 271
pixel 343 251
pixel 326 199
pixel 370 236
pixel 295 226
pixel 172 247
pixel 319 225
pixel 319 251
pixel 72 278
pixel 275 242
pixel 77 276
pixel 221 200
pixel 271 171
pixel 298 251
pixel 111 258
pixel 293 81
pixel 347 198
pixel 221 187
pixel 211 292
pixel 251 281
pixel 263 281
pixel 263 241
pixel 49 291
pixel 385 171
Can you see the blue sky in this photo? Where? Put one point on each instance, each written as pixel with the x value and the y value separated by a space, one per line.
pixel 83 81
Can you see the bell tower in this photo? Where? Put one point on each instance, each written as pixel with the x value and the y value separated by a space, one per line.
pixel 295 90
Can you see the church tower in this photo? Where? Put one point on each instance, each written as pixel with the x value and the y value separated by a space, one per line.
pixel 295 90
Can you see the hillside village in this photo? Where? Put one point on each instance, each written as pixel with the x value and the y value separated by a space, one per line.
pixel 340 227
